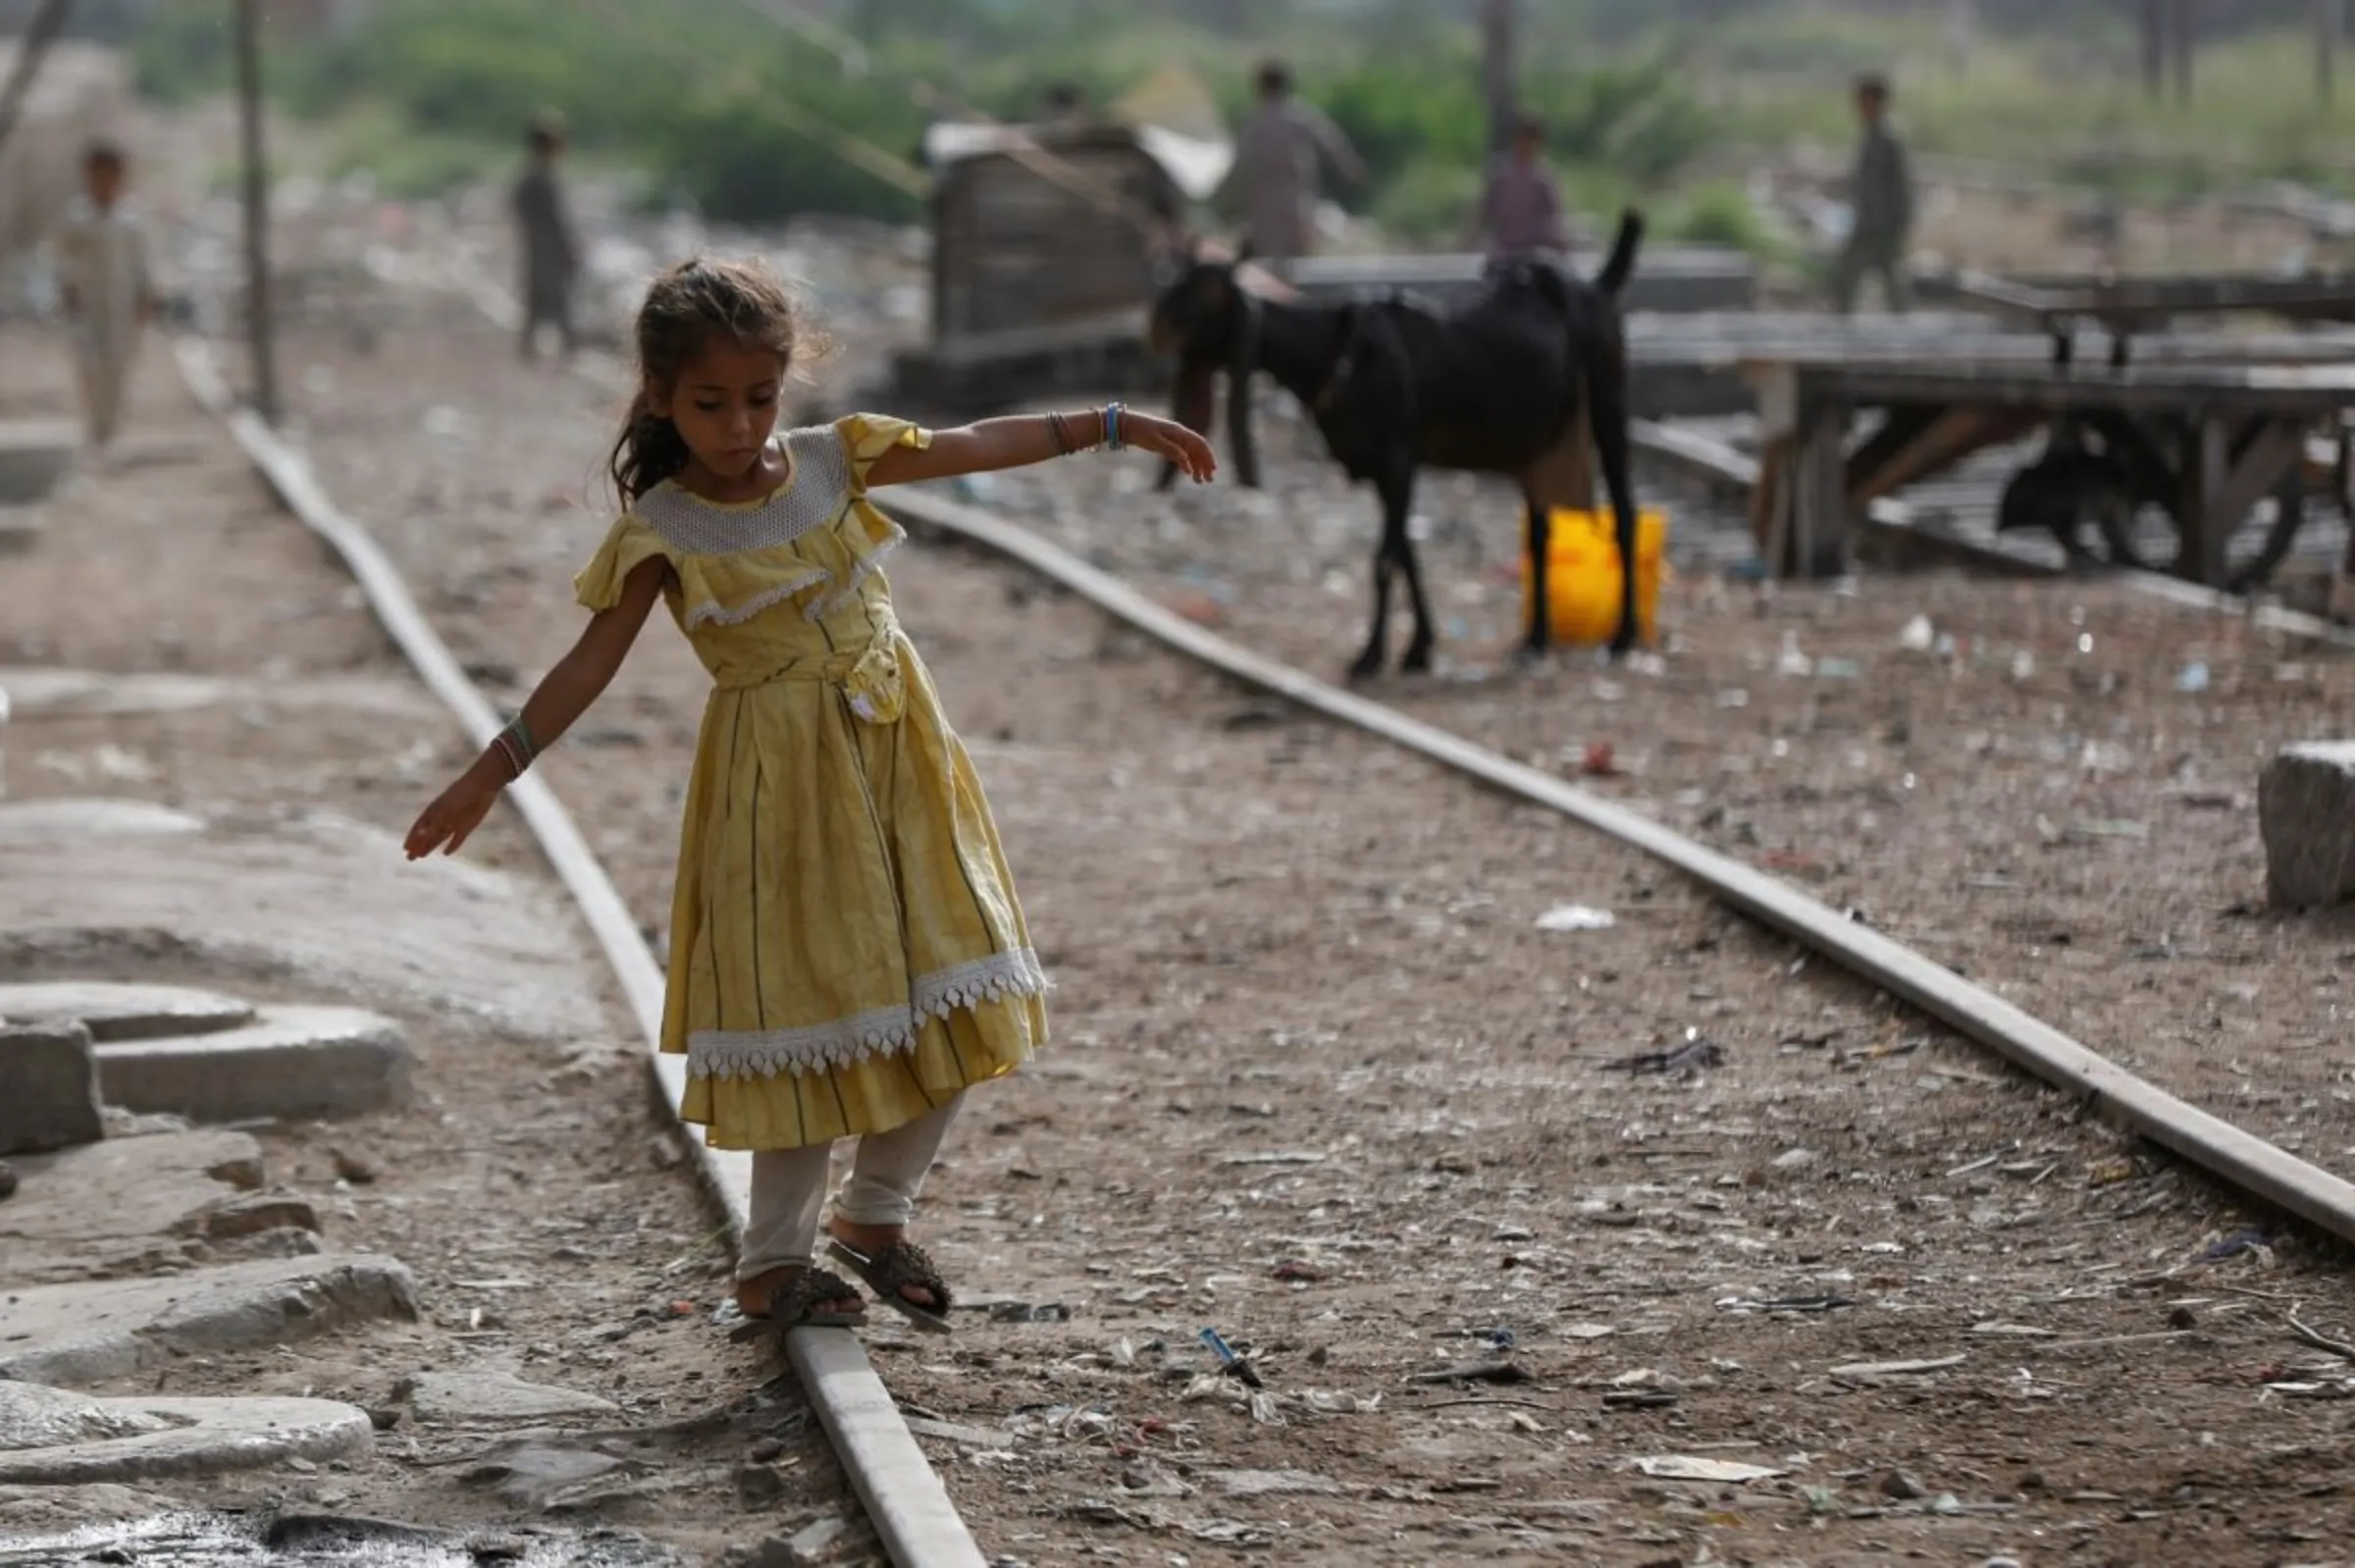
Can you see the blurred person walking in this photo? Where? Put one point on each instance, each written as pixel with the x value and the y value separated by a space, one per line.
pixel 1882 196
pixel 1520 215
pixel 1275 182
pixel 108 295
pixel 551 251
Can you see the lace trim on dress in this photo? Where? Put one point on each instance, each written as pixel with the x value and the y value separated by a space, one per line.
pixel 883 1031
pixel 735 614
pixel 863 568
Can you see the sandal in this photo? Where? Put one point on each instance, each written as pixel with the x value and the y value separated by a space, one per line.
pixel 794 1305
pixel 893 1268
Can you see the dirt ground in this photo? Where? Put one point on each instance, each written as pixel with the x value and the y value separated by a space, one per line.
pixel 549 1220
pixel 1322 1084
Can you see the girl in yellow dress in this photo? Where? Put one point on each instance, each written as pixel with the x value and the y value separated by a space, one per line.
pixel 847 954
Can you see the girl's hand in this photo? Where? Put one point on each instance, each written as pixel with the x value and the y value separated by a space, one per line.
pixel 1165 437
pixel 454 815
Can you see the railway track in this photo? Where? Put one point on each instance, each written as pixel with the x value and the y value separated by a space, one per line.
pixel 904 1499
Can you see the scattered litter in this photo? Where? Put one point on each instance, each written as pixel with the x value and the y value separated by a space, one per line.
pixel 1839 669
pixel 1822 1303
pixel 1690 1057
pixel 2013 1331
pixel 1025 1312
pixel 1866 1371
pixel 1277 1157
pixel 1232 1365
pixel 2320 1341
pixel 1918 635
pixel 2193 677
pixel 1600 761
pixel 1272 1484
pixel 1687 1467
pixel 1473 1371
pixel 1791 660
pixel 1576 918
pixel 1334 1403
pixel 1589 1331
pixel 2234 1245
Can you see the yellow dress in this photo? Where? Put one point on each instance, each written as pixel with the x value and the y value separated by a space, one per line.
pixel 846 948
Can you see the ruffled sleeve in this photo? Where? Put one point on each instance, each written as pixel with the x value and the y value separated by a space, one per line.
pixel 866 437
pixel 629 545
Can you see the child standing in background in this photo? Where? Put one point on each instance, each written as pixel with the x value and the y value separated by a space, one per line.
pixel 102 268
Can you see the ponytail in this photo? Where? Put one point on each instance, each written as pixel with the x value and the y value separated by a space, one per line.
pixel 649 451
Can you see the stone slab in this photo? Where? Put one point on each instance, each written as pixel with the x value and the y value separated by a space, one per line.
pixel 492 1396
pixel 46 689
pixel 114 1009
pixel 77 821
pixel 69 1335
pixel 322 901
pixel 34 457
pixel 50 1437
pixel 53 689
pixel 2306 813
pixel 48 1087
pixel 122 1203
pixel 292 1061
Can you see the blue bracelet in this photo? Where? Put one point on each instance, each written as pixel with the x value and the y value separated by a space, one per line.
pixel 1112 426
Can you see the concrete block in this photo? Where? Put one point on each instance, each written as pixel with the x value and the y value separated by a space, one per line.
pixel 291 1062
pixel 35 455
pixel 113 1011
pixel 20 528
pixel 110 1207
pixel 2306 813
pixel 442 1397
pixel 69 1335
pixel 65 819
pixel 50 1438
pixel 48 1088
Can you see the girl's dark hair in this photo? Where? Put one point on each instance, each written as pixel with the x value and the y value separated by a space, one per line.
pixel 685 308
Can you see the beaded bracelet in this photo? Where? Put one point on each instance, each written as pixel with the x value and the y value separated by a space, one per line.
pixel 514 743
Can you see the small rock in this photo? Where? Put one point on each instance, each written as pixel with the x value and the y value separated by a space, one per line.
pixel 254 1213
pixel 759 1487
pixel 355 1168
pixel 665 1151
pixel 2032 1480
pixel 383 1418
pixel 1794 1159
pixel 2182 1317
pixel 766 1451
pixel 283 1242
pixel 2001 1562
pixel 1904 1487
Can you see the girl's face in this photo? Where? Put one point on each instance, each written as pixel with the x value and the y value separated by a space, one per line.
pixel 725 404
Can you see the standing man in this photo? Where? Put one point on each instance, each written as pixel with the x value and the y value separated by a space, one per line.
pixel 102 269
pixel 1277 163
pixel 1520 214
pixel 1883 201
pixel 552 253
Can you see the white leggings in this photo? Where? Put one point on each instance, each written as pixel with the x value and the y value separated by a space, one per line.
pixel 789 1187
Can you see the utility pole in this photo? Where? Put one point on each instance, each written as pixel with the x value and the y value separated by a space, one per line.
pixel 2154 48
pixel 257 210
pixel 1499 82
pixel 2183 27
pixel 2326 50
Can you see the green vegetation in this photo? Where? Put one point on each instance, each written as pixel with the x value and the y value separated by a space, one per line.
pixel 1642 98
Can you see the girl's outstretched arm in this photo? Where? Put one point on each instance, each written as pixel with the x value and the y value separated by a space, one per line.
pixel 562 696
pixel 1018 440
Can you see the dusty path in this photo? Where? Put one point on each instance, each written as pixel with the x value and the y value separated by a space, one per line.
pixel 1323 1084
pixel 548 1219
